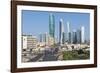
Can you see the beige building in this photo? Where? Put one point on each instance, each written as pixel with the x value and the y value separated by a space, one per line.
pixel 51 40
pixel 29 42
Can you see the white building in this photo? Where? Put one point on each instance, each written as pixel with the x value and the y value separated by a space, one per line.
pixel 29 42
pixel 82 34
pixel 68 27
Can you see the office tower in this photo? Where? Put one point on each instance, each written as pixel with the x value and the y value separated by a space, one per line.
pixel 68 27
pixel 43 38
pixel 46 38
pixel 69 37
pixel 69 32
pixel 61 32
pixel 78 36
pixel 60 37
pixel 64 37
pixel 52 25
pixel 74 37
pixel 40 38
pixel 82 34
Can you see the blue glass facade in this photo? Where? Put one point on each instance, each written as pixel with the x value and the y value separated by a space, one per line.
pixel 52 25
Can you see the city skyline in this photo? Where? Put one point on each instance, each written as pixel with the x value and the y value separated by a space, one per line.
pixel 57 17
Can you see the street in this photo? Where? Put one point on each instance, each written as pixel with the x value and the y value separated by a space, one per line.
pixel 47 55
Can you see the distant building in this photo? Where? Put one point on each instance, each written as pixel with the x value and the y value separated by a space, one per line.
pixel 68 27
pixel 46 38
pixel 29 42
pixel 74 37
pixel 78 36
pixel 43 39
pixel 69 37
pixel 61 32
pixel 51 40
pixel 82 34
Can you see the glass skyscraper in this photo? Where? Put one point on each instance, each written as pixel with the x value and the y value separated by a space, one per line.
pixel 78 36
pixel 74 37
pixel 52 25
pixel 41 38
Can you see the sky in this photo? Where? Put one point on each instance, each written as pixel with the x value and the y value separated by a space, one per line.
pixel 37 22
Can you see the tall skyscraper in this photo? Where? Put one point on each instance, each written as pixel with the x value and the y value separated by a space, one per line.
pixel 52 25
pixel 74 37
pixel 46 36
pixel 69 37
pixel 61 32
pixel 78 36
pixel 82 34
pixel 68 27
pixel 42 38
pixel 69 32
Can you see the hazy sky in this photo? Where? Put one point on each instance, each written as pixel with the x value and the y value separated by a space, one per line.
pixel 36 22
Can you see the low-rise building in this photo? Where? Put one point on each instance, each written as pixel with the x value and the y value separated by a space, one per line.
pixel 29 42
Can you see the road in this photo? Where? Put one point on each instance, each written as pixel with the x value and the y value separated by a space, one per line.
pixel 47 55
pixel 36 58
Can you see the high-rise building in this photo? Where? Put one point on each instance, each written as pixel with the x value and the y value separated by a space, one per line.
pixel 82 34
pixel 52 25
pixel 69 37
pixel 46 36
pixel 61 32
pixel 43 39
pixel 68 27
pixel 74 37
pixel 78 36
pixel 40 38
